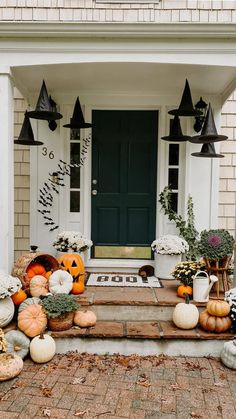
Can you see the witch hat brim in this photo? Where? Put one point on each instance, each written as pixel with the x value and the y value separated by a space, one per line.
pixel 43 108
pixel 209 132
pixel 207 150
pixel 77 121
pixel 26 136
pixel 175 131
pixel 186 105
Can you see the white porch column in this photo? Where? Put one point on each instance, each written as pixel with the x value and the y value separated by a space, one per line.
pixel 6 172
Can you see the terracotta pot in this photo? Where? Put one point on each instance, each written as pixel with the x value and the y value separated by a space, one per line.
pixel 60 323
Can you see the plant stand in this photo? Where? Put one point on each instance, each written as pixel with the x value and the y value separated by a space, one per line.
pixel 219 267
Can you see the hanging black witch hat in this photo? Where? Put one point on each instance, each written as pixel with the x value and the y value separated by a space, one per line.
pixel 207 150
pixel 175 131
pixel 26 136
pixel 77 121
pixel 209 133
pixel 186 105
pixel 44 108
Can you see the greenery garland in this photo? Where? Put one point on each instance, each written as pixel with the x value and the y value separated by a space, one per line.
pixel 186 228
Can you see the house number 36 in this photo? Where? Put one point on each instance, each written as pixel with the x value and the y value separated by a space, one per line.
pixel 45 153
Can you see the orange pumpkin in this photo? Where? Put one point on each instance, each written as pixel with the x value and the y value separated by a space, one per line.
pixel 78 287
pixel 32 320
pixel 214 323
pixel 73 263
pixel 218 308
pixel 19 297
pixel 184 289
pixel 35 269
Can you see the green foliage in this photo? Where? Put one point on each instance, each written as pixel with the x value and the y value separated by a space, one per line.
pixel 186 228
pixel 59 304
pixel 215 244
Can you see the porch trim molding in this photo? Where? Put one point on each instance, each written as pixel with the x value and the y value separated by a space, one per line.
pixel 117 30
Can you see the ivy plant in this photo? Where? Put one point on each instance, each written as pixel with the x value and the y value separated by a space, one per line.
pixel 186 227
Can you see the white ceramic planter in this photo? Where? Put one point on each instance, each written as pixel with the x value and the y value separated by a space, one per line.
pixel 165 264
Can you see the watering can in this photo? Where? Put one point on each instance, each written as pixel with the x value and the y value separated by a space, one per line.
pixel 202 284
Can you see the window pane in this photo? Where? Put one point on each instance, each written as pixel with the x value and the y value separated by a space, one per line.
pixel 75 201
pixel 75 177
pixel 173 178
pixel 74 134
pixel 174 154
pixel 174 201
pixel 75 152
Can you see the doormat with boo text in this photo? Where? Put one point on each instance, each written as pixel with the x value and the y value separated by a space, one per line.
pixel 122 280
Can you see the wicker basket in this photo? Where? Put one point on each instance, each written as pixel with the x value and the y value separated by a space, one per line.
pixel 20 267
pixel 60 323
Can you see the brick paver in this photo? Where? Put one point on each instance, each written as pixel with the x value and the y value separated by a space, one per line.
pixel 115 387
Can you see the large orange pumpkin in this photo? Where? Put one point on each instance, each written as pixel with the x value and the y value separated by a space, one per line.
pixel 184 289
pixel 19 297
pixel 73 263
pixel 214 323
pixel 35 269
pixel 32 320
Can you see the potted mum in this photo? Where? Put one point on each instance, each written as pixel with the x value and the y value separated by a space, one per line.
pixel 185 272
pixel 168 250
pixel 71 241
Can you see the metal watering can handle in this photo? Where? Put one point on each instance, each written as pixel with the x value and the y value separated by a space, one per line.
pixel 201 272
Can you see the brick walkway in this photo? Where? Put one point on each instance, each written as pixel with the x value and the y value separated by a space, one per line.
pixel 109 387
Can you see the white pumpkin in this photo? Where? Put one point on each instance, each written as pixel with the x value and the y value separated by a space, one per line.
pixel 17 343
pixel 86 318
pixel 42 348
pixel 7 309
pixel 10 366
pixel 228 354
pixel 185 315
pixel 60 282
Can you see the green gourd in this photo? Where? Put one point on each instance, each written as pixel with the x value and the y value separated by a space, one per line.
pixel 17 343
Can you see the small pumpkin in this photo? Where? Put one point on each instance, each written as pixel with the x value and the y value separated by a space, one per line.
pixel 72 263
pixel 35 269
pixel 42 348
pixel 213 323
pixel 86 318
pixel 60 282
pixel 32 320
pixel 48 274
pixel 28 302
pixel 78 287
pixel 17 343
pixel 7 310
pixel 218 308
pixel 184 289
pixel 185 315
pixel 38 286
pixel 19 297
pixel 10 366
pixel 228 354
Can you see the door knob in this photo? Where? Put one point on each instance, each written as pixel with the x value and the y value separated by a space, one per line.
pixel 94 192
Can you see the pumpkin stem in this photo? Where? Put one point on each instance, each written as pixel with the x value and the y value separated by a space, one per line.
pixel 17 348
pixel 41 335
pixel 186 298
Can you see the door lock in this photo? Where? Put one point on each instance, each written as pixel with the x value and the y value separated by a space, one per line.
pixel 94 192
pixel 94 181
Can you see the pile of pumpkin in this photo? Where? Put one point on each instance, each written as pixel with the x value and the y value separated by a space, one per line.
pixel 214 319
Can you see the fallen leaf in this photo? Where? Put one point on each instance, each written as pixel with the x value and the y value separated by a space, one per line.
pixel 5 396
pixel 46 412
pixel 219 385
pixel 175 387
pixel 143 382
pixel 80 380
pixel 80 414
pixel 47 392
pixel 195 415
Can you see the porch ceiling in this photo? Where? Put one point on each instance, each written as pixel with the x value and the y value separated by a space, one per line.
pixel 124 77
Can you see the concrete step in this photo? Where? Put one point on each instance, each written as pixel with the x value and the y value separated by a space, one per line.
pixel 142 338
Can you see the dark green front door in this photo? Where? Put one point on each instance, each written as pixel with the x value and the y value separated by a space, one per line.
pixel 124 170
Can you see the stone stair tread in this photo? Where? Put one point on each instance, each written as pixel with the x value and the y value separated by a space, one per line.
pixel 140 330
